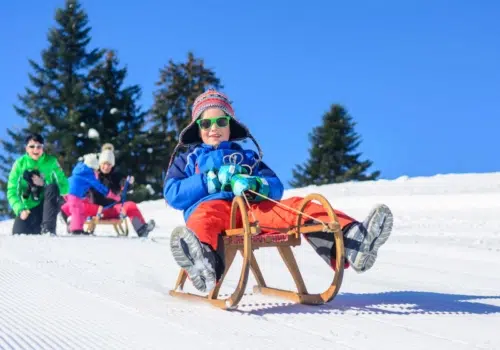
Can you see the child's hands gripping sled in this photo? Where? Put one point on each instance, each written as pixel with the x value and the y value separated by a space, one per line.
pixel 227 172
pixel 241 183
pixel 220 180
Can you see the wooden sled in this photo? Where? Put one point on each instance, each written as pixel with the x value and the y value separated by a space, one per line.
pixel 250 237
pixel 120 224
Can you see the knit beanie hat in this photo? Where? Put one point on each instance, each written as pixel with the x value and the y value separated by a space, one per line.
pixel 211 99
pixel 91 161
pixel 107 154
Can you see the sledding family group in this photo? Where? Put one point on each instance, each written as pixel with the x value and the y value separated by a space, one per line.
pixel 201 181
pixel 38 190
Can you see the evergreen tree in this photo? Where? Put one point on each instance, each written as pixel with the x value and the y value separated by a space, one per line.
pixel 333 156
pixel 57 103
pixel 179 85
pixel 118 118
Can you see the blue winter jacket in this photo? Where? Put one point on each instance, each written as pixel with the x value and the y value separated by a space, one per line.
pixel 82 179
pixel 186 182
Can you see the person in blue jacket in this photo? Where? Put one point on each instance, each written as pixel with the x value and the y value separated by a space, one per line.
pixel 203 181
pixel 82 179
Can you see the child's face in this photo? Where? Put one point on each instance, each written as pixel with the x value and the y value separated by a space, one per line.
pixel 34 149
pixel 105 167
pixel 215 134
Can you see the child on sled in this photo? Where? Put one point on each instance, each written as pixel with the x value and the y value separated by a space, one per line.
pixel 83 178
pixel 203 181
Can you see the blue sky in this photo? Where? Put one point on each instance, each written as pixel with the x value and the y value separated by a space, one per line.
pixel 421 78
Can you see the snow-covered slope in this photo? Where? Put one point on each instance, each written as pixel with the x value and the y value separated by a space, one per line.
pixel 435 285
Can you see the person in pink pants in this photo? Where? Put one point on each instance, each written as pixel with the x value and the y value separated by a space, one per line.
pixel 115 182
pixel 82 179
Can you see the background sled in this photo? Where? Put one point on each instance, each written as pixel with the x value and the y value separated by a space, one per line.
pixel 250 237
pixel 120 224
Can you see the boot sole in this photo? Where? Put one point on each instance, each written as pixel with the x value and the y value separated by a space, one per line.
pixel 378 229
pixel 188 253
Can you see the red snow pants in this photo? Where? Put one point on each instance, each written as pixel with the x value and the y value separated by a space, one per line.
pixel 210 218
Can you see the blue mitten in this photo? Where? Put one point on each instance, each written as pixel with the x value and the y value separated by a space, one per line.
pixel 226 172
pixel 210 161
pixel 213 184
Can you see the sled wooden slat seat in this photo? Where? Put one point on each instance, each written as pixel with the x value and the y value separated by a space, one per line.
pixel 119 224
pixel 250 237
pixel 271 239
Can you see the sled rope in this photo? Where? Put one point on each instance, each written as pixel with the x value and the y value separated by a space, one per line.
pixel 284 206
pixel 250 209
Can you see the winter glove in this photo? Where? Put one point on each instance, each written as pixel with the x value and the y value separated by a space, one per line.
pixel 210 161
pixel 213 184
pixel 242 182
pixel 226 172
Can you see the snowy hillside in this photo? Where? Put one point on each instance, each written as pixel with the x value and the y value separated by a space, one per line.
pixel 436 284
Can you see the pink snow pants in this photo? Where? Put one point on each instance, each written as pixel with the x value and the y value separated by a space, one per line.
pixel 76 208
pixel 80 209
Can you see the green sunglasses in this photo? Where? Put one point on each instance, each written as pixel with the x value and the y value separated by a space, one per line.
pixel 221 122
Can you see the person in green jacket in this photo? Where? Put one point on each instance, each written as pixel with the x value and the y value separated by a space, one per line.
pixel 35 186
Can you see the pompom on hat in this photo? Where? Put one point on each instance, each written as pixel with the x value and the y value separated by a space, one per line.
pixel 212 99
pixel 108 146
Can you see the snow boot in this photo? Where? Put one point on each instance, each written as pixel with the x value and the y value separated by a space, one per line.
pixel 362 240
pixel 146 228
pixel 202 264
pixel 46 231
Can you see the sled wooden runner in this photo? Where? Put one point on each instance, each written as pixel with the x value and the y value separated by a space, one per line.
pixel 119 224
pixel 248 238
